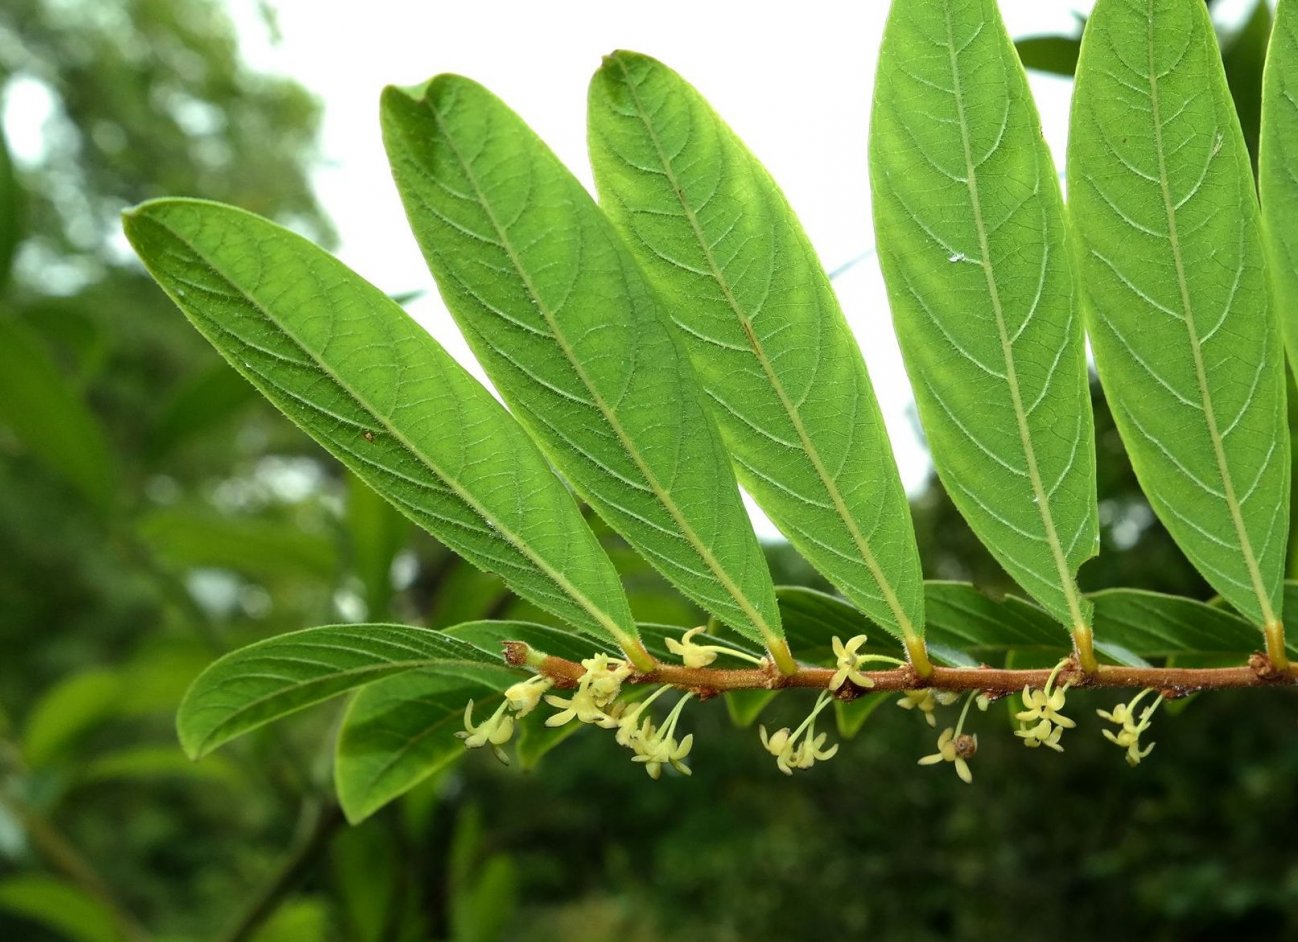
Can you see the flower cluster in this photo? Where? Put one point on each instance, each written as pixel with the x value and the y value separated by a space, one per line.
pixel 593 701
pixel 803 747
pixel 1040 722
pixel 927 701
pixel 1128 737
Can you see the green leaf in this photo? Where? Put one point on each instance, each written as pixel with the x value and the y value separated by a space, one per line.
pixel 491 636
pixel 572 336
pixel 1056 55
pixel 1278 167
pixel 812 619
pixel 1155 625
pixel 254 685
pixel 147 764
pixel 50 418
pixel 258 548
pixel 966 625
pixel 350 366
pixel 399 731
pixel 745 706
pixel 767 337
pixel 1172 264
pixel 850 715
pixel 975 253
pixel 67 910
pixel 199 407
pixel 68 711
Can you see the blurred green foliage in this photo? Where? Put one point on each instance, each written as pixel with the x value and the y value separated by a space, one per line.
pixel 154 513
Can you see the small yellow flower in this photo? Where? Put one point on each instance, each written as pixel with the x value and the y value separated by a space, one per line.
pixel 526 694
pixel 927 701
pixel 494 731
pixel 583 705
pixel 801 748
pixel 849 663
pixel 956 749
pixel 1128 737
pixel 691 653
pixel 956 746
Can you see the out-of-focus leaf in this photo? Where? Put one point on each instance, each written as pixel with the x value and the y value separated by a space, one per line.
pixel 481 910
pixel 850 715
pixel 296 920
pixel 50 419
pixel 60 907
pixel 351 367
pixel 1278 168
pixel 976 255
pixel 149 763
pixel 1054 54
pixel 576 341
pixel 1185 341
pixel 199 407
pixel 767 337
pixel 259 549
pixel 745 706
pixel 399 731
pixel 376 532
pixel 68 711
pixel 254 685
pixel 366 867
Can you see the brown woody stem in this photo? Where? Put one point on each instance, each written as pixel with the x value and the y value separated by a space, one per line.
pixel 1172 681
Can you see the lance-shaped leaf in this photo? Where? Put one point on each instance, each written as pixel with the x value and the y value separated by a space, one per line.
pixel 765 332
pixel 1278 167
pixel 350 367
pixel 975 251
pixel 401 730
pixel 1186 345
pixel 254 685
pixel 575 340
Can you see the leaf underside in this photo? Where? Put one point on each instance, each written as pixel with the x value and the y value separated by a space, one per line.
pixel 562 320
pixel 755 309
pixel 974 249
pixel 1278 167
pixel 1161 192
pixel 356 373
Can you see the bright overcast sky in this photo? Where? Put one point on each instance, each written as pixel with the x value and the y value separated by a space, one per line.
pixel 793 79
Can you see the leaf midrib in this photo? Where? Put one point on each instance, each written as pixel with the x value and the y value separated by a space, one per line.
pixel 1187 308
pixel 493 524
pixel 609 416
pixel 1067 582
pixel 759 351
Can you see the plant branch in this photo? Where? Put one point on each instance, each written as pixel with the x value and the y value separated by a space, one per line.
pixel 60 853
pixel 1172 681
pixel 324 821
